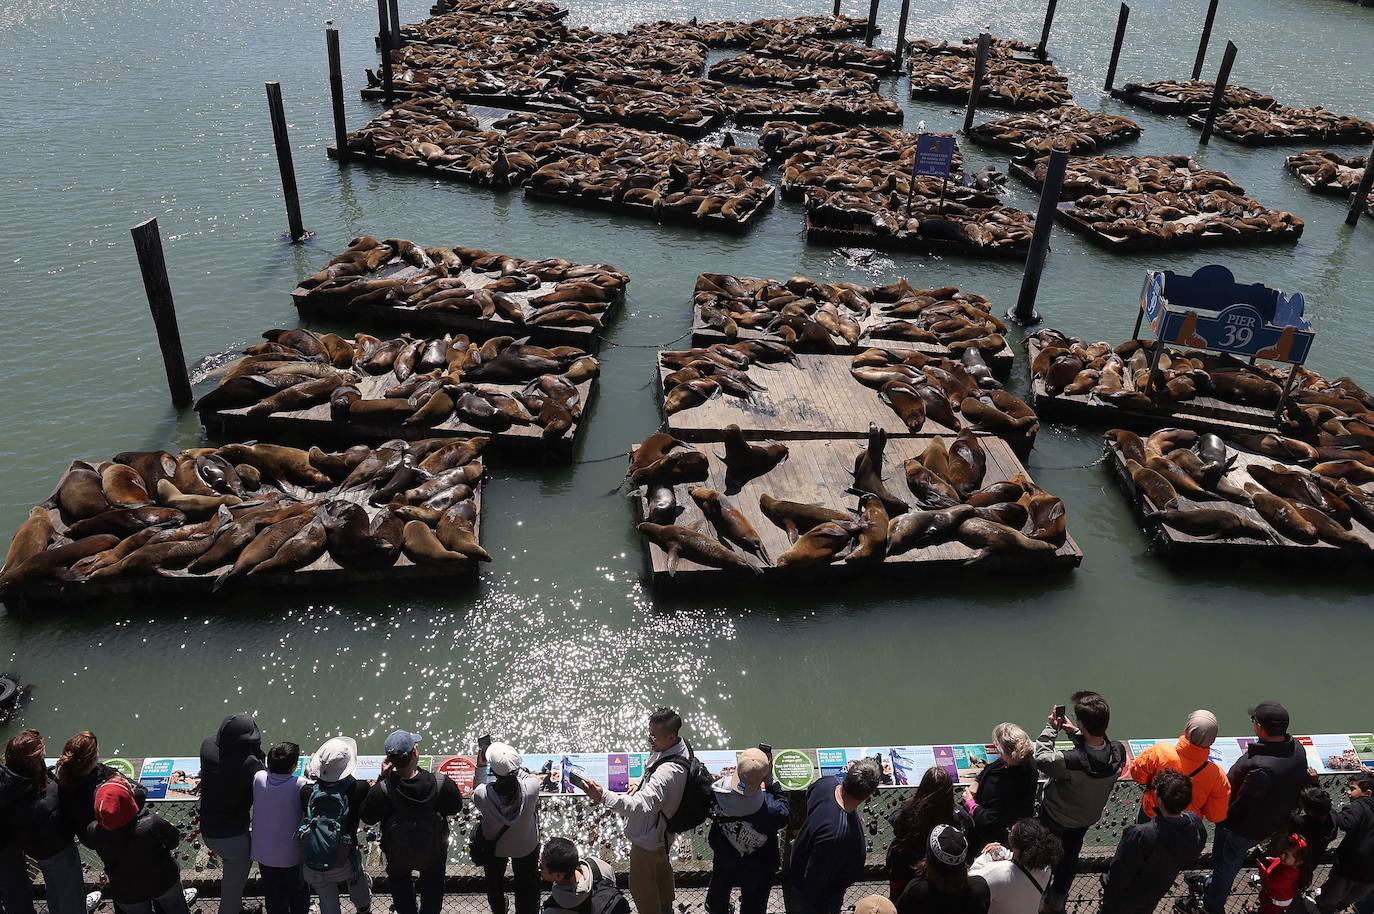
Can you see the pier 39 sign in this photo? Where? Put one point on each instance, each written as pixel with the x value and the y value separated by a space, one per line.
pixel 1252 321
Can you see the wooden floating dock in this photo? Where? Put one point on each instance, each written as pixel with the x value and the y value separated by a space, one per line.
pixel 863 236
pixel 1137 95
pixel 1303 138
pixel 1175 544
pixel 1201 414
pixel 820 472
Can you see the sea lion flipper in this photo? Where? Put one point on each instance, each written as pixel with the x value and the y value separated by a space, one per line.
pixel 979 556
pixel 672 561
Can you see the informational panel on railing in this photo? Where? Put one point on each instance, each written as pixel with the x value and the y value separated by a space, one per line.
pixel 169 778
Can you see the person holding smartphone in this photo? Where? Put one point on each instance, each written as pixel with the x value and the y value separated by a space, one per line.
pixel 508 806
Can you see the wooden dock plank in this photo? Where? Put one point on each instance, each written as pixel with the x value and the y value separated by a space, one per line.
pixel 820 472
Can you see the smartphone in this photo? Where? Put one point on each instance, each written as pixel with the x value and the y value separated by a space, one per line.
pixel 483 743
pixel 766 749
pixel 1059 712
pixel 577 781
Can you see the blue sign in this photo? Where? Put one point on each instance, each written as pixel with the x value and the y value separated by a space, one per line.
pixel 1239 329
pixel 1152 298
pixel 934 155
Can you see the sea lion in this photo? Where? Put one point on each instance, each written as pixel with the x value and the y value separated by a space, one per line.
pixel 905 402
pixel 1168 439
pixel 380 464
pixel 689 394
pixel 122 486
pixel 1278 447
pixel 984 415
pixel 996 493
pixel 678 542
pixel 448 453
pixel 297 551
pixel 300 396
pixel 1128 443
pixel 29 540
pixel 935 457
pixel 917 529
pixel 1177 476
pixel 287 464
pixel 1299 487
pixel 796 518
pixel 932 492
pixel 1282 515
pixel 873 531
pixel 1353 470
pixel 193 506
pixel 660 504
pixel 1011 514
pixel 456 532
pixel 1154 487
pixel 79 494
pixel 422 546
pixel 150 465
pixel 354 541
pixel 1209 523
pixel 820 545
pixel 429 486
pixel 123 521
pixel 673 468
pixel 263 546
pixel 229 540
pixel 1048 518
pixel 730 524
pixel 1328 531
pixel 57 561
pixel 333 465
pixel 745 461
pixel 125 546
pixel 868 472
pixel 156 557
pixel 989 539
pixel 967 463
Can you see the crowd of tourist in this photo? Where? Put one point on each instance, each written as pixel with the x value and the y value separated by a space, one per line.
pixel 1008 843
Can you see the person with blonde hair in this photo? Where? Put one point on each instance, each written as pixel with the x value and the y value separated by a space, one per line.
pixel 1004 791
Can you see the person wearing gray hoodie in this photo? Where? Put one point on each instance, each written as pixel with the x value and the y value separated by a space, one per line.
pixel 749 810
pixel 580 885
pixel 509 810
pixel 1079 781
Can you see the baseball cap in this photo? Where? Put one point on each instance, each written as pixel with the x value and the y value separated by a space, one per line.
pixel 335 760
pixel 1271 715
pixel 503 759
pixel 750 769
pixel 874 904
pixel 400 744
pixel 114 804
pixel 1201 729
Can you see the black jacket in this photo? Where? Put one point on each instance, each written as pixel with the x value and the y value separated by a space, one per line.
pixel 1148 860
pixel 423 788
pixel 1266 783
pixel 1006 794
pixel 228 761
pixel 12 789
pixel 1355 856
pixel 356 791
pixel 828 855
pixel 139 857
pixel 77 798
pixel 902 856
pixel 33 815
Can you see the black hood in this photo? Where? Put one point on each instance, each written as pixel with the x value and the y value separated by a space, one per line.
pixel 419 790
pixel 239 734
pixel 1178 834
pixel 1284 748
pixel 13 785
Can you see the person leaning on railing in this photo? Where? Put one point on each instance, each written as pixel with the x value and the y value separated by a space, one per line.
pixel 228 761
pixel 31 817
pixel 138 848
pixel 1151 854
pixel 1190 758
pixel 509 826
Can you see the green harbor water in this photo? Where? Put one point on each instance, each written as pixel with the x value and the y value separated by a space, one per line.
pixel 118 111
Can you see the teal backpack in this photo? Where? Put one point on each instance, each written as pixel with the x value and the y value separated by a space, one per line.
pixel 324 846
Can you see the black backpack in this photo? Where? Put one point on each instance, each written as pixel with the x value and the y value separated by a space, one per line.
pixel 414 836
pixel 604 897
pixel 697 801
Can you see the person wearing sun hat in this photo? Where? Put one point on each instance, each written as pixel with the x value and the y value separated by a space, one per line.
pixel 138 848
pixel 943 884
pixel 750 808
pixel 509 808
pixel 332 808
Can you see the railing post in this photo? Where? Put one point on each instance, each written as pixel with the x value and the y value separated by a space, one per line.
pixel 980 66
pixel 1219 91
pixel 1206 39
pixel 148 246
pixel 284 163
pixel 1121 20
pixel 336 93
pixel 1025 313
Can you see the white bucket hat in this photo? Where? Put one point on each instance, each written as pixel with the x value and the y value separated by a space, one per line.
pixel 335 760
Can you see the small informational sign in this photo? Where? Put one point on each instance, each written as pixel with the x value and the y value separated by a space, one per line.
pixel 171 778
pixel 934 155
pixel 459 769
pixel 793 769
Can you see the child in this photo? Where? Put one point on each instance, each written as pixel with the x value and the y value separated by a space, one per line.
pixel 1353 872
pixel 1312 819
pixel 276 819
pixel 1279 877
pixel 138 849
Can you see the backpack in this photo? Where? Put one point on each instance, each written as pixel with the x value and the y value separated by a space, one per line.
pixel 697 801
pixel 414 835
pixel 324 846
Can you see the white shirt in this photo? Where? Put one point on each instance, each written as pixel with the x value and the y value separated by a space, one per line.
pixel 647 810
pixel 1011 891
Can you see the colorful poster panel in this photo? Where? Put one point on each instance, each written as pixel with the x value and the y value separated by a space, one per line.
pixel 459 769
pixel 171 778
pixel 1330 753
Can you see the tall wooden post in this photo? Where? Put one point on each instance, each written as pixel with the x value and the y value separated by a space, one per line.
pixel 1219 91
pixel 284 163
pixel 1206 38
pixel 1362 192
pixel 980 66
pixel 148 245
pixel 1024 312
pixel 837 8
pixel 901 32
pixel 336 93
pixel 394 23
pixel 1121 20
pixel 872 23
pixel 1045 30
pixel 384 42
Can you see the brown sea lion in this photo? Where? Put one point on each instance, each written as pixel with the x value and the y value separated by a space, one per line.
pixel 422 546
pixel 31 538
pixel 873 531
pixel 1278 447
pixel 994 494
pixel 678 542
pixel 672 468
pixel 1167 439
pixel 156 557
pixel 689 394
pixel 355 541
pixel 1008 513
pixel 820 545
pixel 276 461
pixel 730 524
pixel 967 463
pixel 264 545
pixel 125 546
pixel 1209 523
pixel 745 461
pixel 456 532
pixel 935 457
pixel 79 494
pixel 56 562
pixel 300 396
pixel 1128 443
pixel 660 504
pixel 451 453
pixel 378 465
pixel 796 518
pixel 1282 515
pixel 932 492
pixel 989 539
pixel 1048 518
pixel 123 521
pixel 1153 486
pixel 905 402
pixel 1328 531
pixel 1178 477
pixel 917 529
pixel 868 472
pixel 334 465
pixel 1353 470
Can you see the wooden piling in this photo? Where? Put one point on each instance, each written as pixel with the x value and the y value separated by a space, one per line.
pixel 284 163
pixel 837 8
pixel 336 93
pixel 384 42
pixel 1219 91
pixel 1024 313
pixel 980 66
pixel 1206 38
pixel 394 24
pixel 1121 20
pixel 872 23
pixel 901 32
pixel 1045 30
pixel 148 246
pixel 1362 192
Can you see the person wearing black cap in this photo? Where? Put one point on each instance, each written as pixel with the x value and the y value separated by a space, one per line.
pixel 1266 783
pixel 413 807
pixel 943 884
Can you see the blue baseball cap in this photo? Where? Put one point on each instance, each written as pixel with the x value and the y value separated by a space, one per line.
pixel 400 744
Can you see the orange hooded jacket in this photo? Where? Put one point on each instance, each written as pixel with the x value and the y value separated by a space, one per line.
pixel 1211 789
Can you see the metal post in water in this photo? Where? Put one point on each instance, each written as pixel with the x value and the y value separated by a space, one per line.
pixel 1121 20
pixel 384 42
pixel 1045 30
pixel 872 23
pixel 148 246
pixel 980 66
pixel 1206 39
pixel 1219 91
pixel 901 32
pixel 284 163
pixel 837 9
pixel 1025 313
pixel 1362 192
pixel 394 21
pixel 336 93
